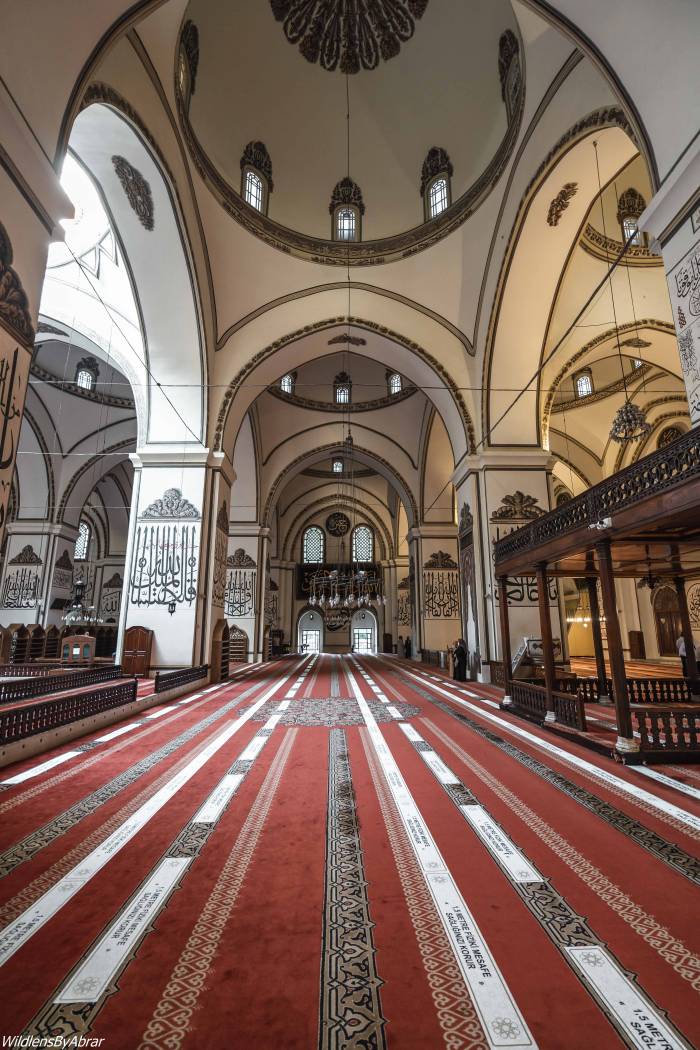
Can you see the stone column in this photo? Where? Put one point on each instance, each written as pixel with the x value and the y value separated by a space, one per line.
pixel 165 586
pixel 672 220
pixel 547 639
pixel 626 744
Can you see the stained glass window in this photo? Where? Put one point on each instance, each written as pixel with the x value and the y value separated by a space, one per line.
pixel 313 546
pixel 362 544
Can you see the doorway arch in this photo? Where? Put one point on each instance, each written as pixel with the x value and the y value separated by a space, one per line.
pixel 310 632
pixel 667 618
pixel 363 632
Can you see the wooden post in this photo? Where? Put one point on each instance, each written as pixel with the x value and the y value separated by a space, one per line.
pixel 626 744
pixel 592 586
pixel 546 632
pixel 690 663
pixel 505 639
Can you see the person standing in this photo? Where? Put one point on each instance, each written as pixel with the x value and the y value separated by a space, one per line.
pixel 680 646
pixel 460 659
pixel 407 647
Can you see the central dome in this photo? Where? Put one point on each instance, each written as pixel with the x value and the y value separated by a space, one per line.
pixel 427 75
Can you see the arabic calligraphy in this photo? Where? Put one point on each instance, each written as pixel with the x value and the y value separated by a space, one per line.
pixel 165 566
pixel 21 589
pixel 441 595
pixel 9 412
pixel 240 592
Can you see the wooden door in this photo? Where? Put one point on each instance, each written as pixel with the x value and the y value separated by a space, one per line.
pixel 136 657
pixel 668 620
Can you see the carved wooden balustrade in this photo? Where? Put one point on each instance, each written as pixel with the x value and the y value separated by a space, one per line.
pixel 40 685
pixel 664 469
pixel 181 676
pixel 34 670
pixel 659 691
pixel 668 731
pixel 21 722
pixel 531 701
pixel 498 676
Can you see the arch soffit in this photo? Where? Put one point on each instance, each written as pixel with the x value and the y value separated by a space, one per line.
pixel 363 455
pixel 600 121
pixel 359 429
pixel 91 473
pixel 592 350
pixel 264 356
pixel 162 328
pixel 306 516
pixel 50 493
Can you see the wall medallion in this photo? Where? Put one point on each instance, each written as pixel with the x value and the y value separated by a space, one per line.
pixel 138 192
pixel 348 35
pixel 338 524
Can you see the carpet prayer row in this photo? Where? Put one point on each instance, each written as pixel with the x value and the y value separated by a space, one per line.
pixel 345 852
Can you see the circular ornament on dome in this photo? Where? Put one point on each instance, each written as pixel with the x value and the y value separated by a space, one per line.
pixel 338 524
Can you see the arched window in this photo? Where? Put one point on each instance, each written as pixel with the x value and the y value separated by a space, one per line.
pixel 583 384
pixel 86 373
pixel 629 207
pixel 82 544
pixel 394 383
pixel 346 209
pixel 342 389
pixel 362 543
pixel 287 383
pixel 256 176
pixel 435 186
pixel 313 546
pixel 337 466
pixel 637 363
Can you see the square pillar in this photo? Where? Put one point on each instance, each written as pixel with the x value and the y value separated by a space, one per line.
pixel 547 640
pixel 626 744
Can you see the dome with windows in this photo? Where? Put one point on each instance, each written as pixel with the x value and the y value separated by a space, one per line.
pixel 434 94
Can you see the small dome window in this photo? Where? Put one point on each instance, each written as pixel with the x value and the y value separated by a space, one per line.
pixel 342 389
pixel 287 383
pixel 86 373
pixel 256 176
pixel 583 383
pixel 630 206
pixel 82 544
pixel 394 383
pixel 346 209
pixel 337 466
pixel 435 184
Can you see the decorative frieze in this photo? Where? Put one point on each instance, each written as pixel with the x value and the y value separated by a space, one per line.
pixel 561 203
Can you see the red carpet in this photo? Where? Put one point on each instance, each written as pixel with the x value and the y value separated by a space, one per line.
pixel 333 853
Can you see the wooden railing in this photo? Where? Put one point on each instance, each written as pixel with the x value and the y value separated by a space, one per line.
pixel 667 730
pixel 22 722
pixel 26 688
pixel 659 691
pixel 530 700
pixel 27 670
pixel 663 469
pixel 498 676
pixel 182 676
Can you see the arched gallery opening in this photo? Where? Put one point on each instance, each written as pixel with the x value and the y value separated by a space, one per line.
pixel 350 524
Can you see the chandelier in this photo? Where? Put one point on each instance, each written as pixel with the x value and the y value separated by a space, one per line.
pixel 78 614
pixel 346 589
pixel 629 424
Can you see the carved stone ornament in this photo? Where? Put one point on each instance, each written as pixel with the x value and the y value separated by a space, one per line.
pixel 64 562
pixel 518 507
pixel 27 556
pixel 635 343
pixel 346 192
pixel 350 340
pixel 348 35
pixel 630 204
pixel 561 203
pixel 466 519
pixel 338 524
pixel 190 45
pixel 172 504
pixel 138 192
pixel 14 305
pixel 115 582
pixel 255 155
pixel 405 584
pixel 48 329
pixel 440 560
pixel 436 163
pixel 508 49
pixel 222 518
pixel 240 560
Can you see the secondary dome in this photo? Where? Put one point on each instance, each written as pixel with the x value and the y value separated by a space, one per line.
pixel 429 81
